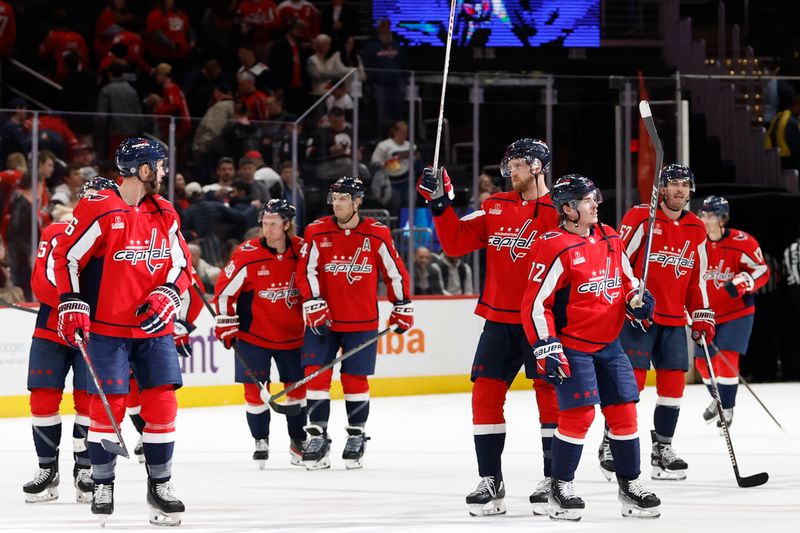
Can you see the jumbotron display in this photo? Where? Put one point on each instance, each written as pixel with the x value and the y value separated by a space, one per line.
pixel 495 23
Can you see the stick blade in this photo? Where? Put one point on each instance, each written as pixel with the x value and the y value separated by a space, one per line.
pixel 287 410
pixel 755 480
pixel 113 447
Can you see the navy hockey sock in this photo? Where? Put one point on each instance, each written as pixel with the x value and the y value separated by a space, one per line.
pixel 296 423
pixel 727 395
pixel 46 438
pixel 665 419
pixel 626 455
pixel 80 449
pixel 259 423
pixel 357 412
pixel 103 463
pixel 547 446
pixel 566 456
pixel 319 411
pixel 158 457
pixel 489 450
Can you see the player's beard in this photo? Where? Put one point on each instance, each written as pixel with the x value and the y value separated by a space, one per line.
pixel 675 204
pixel 521 186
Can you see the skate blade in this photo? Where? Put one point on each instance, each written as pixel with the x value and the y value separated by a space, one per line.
pixel 567 515
pixel 160 518
pixel 492 508
pixel 541 508
pixel 47 495
pixel 83 497
pixel 608 474
pixel 103 518
pixel 633 511
pixel 295 460
pixel 322 464
pixel 659 474
pixel 712 419
pixel 353 464
pixel 262 465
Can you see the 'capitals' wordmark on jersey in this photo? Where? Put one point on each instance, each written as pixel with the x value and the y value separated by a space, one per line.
pixel 135 252
pixel 667 257
pixel 289 293
pixel 718 276
pixel 513 239
pixel 349 265
pixel 601 286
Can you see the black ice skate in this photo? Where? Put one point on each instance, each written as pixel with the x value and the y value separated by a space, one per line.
pixel 354 447
pixel 84 486
pixel 637 502
pixel 666 463
pixel 165 508
pixel 317 453
pixel 138 451
pixel 261 454
pixel 103 501
pixel 44 485
pixel 540 499
pixel 564 504
pixel 606 459
pixel 710 414
pixel 488 498
pixel 296 452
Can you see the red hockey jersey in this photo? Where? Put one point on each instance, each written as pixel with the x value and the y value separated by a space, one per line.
pixel 735 252
pixel 677 261
pixel 576 289
pixel 342 266
pixel 261 287
pixel 43 283
pixel 114 255
pixel 506 226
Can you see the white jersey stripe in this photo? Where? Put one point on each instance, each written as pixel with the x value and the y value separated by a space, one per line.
pixel 758 270
pixel 311 270
pixel 230 289
pixel 548 286
pixel 50 270
pixel 80 248
pixel 474 214
pixel 703 265
pixel 177 255
pixel 636 241
pixel 392 271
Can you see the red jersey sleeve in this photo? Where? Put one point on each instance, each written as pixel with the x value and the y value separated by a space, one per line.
pixel 461 236
pixel 308 264
pixel 696 295
pixel 752 259
pixel 231 281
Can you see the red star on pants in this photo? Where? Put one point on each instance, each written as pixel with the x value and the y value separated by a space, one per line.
pixel 586 394
pixel 49 372
pixel 577 395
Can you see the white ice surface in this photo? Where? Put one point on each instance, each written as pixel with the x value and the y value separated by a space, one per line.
pixel 419 466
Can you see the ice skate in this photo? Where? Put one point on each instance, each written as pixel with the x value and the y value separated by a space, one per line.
pixel 564 504
pixel 296 452
pixel 84 486
pixel 728 414
pixel 637 502
pixel 606 459
pixel 138 451
pixel 710 414
pixel 540 499
pixel 317 453
pixel 165 508
pixel 261 454
pixel 354 447
pixel 44 486
pixel 666 463
pixel 488 498
pixel 103 501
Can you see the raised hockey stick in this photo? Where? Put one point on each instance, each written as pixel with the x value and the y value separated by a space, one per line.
pixel 288 410
pixel 745 482
pixel 4 303
pixel 745 383
pixel 330 365
pixel 110 447
pixel 444 85
pixel 647 118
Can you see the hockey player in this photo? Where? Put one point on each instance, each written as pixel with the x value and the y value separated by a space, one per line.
pixel 676 279
pixel 120 273
pixel 260 311
pixel 579 273
pixel 50 360
pixel 506 225
pixel 736 269
pixel 340 262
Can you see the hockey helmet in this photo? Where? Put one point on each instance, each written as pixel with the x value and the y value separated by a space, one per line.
pixel 534 151
pixel 137 151
pixel 717 205
pixel 676 173
pixel 347 185
pixel 97 183
pixel 280 207
pixel 571 189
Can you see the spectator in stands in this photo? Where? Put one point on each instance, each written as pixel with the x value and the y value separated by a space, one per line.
pixel 273 131
pixel 208 273
pixel 284 189
pixel 13 135
pixel 263 173
pixel 346 58
pixel 213 222
pixel 427 275
pixel 287 59
pixel 303 11
pixel 456 275
pixel 214 121
pixel 319 67
pixel 130 36
pixel 338 20
pixel 340 98
pixel 252 98
pixel 199 85
pixel 120 54
pixel 240 135
pixel 59 42
pixel 8 31
pixel 331 149
pixel 223 187
pixel 241 199
pixel 83 155
pixel 78 94
pixel 19 234
pixel 119 114
pixel 265 79
pixel 109 24
pixel 66 193
pixel 285 140
pixel 8 291
pixel 383 54
pixel 171 103
pixel 181 198
pixel 16 166
pixel 55 135
pixel 258 22
pixel 393 155
pixel 168 34
pixel 784 134
pixel 259 190
pixel 219 29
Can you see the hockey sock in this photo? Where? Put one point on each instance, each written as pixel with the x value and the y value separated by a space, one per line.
pixel 623 439
pixel 669 385
pixel 727 378
pixel 258 416
pixel 319 397
pixel 568 440
pixel 296 423
pixel 46 423
pixel 547 402
pixel 159 408
pixel 100 428
pixel 489 424
pixel 356 399
pixel 80 430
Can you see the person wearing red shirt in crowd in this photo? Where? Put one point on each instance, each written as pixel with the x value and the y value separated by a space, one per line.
pixel 108 25
pixel 59 42
pixel 287 59
pixel 258 19
pixel 8 29
pixel 255 100
pixel 129 55
pixel 736 269
pixel 172 103
pixel 168 33
pixel 300 10
pixel 16 166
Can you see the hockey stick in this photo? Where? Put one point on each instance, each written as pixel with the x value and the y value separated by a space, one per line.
pixel 330 365
pixel 649 123
pixel 444 85
pixel 745 482
pixel 745 383
pixel 19 307
pixel 110 447
pixel 288 410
